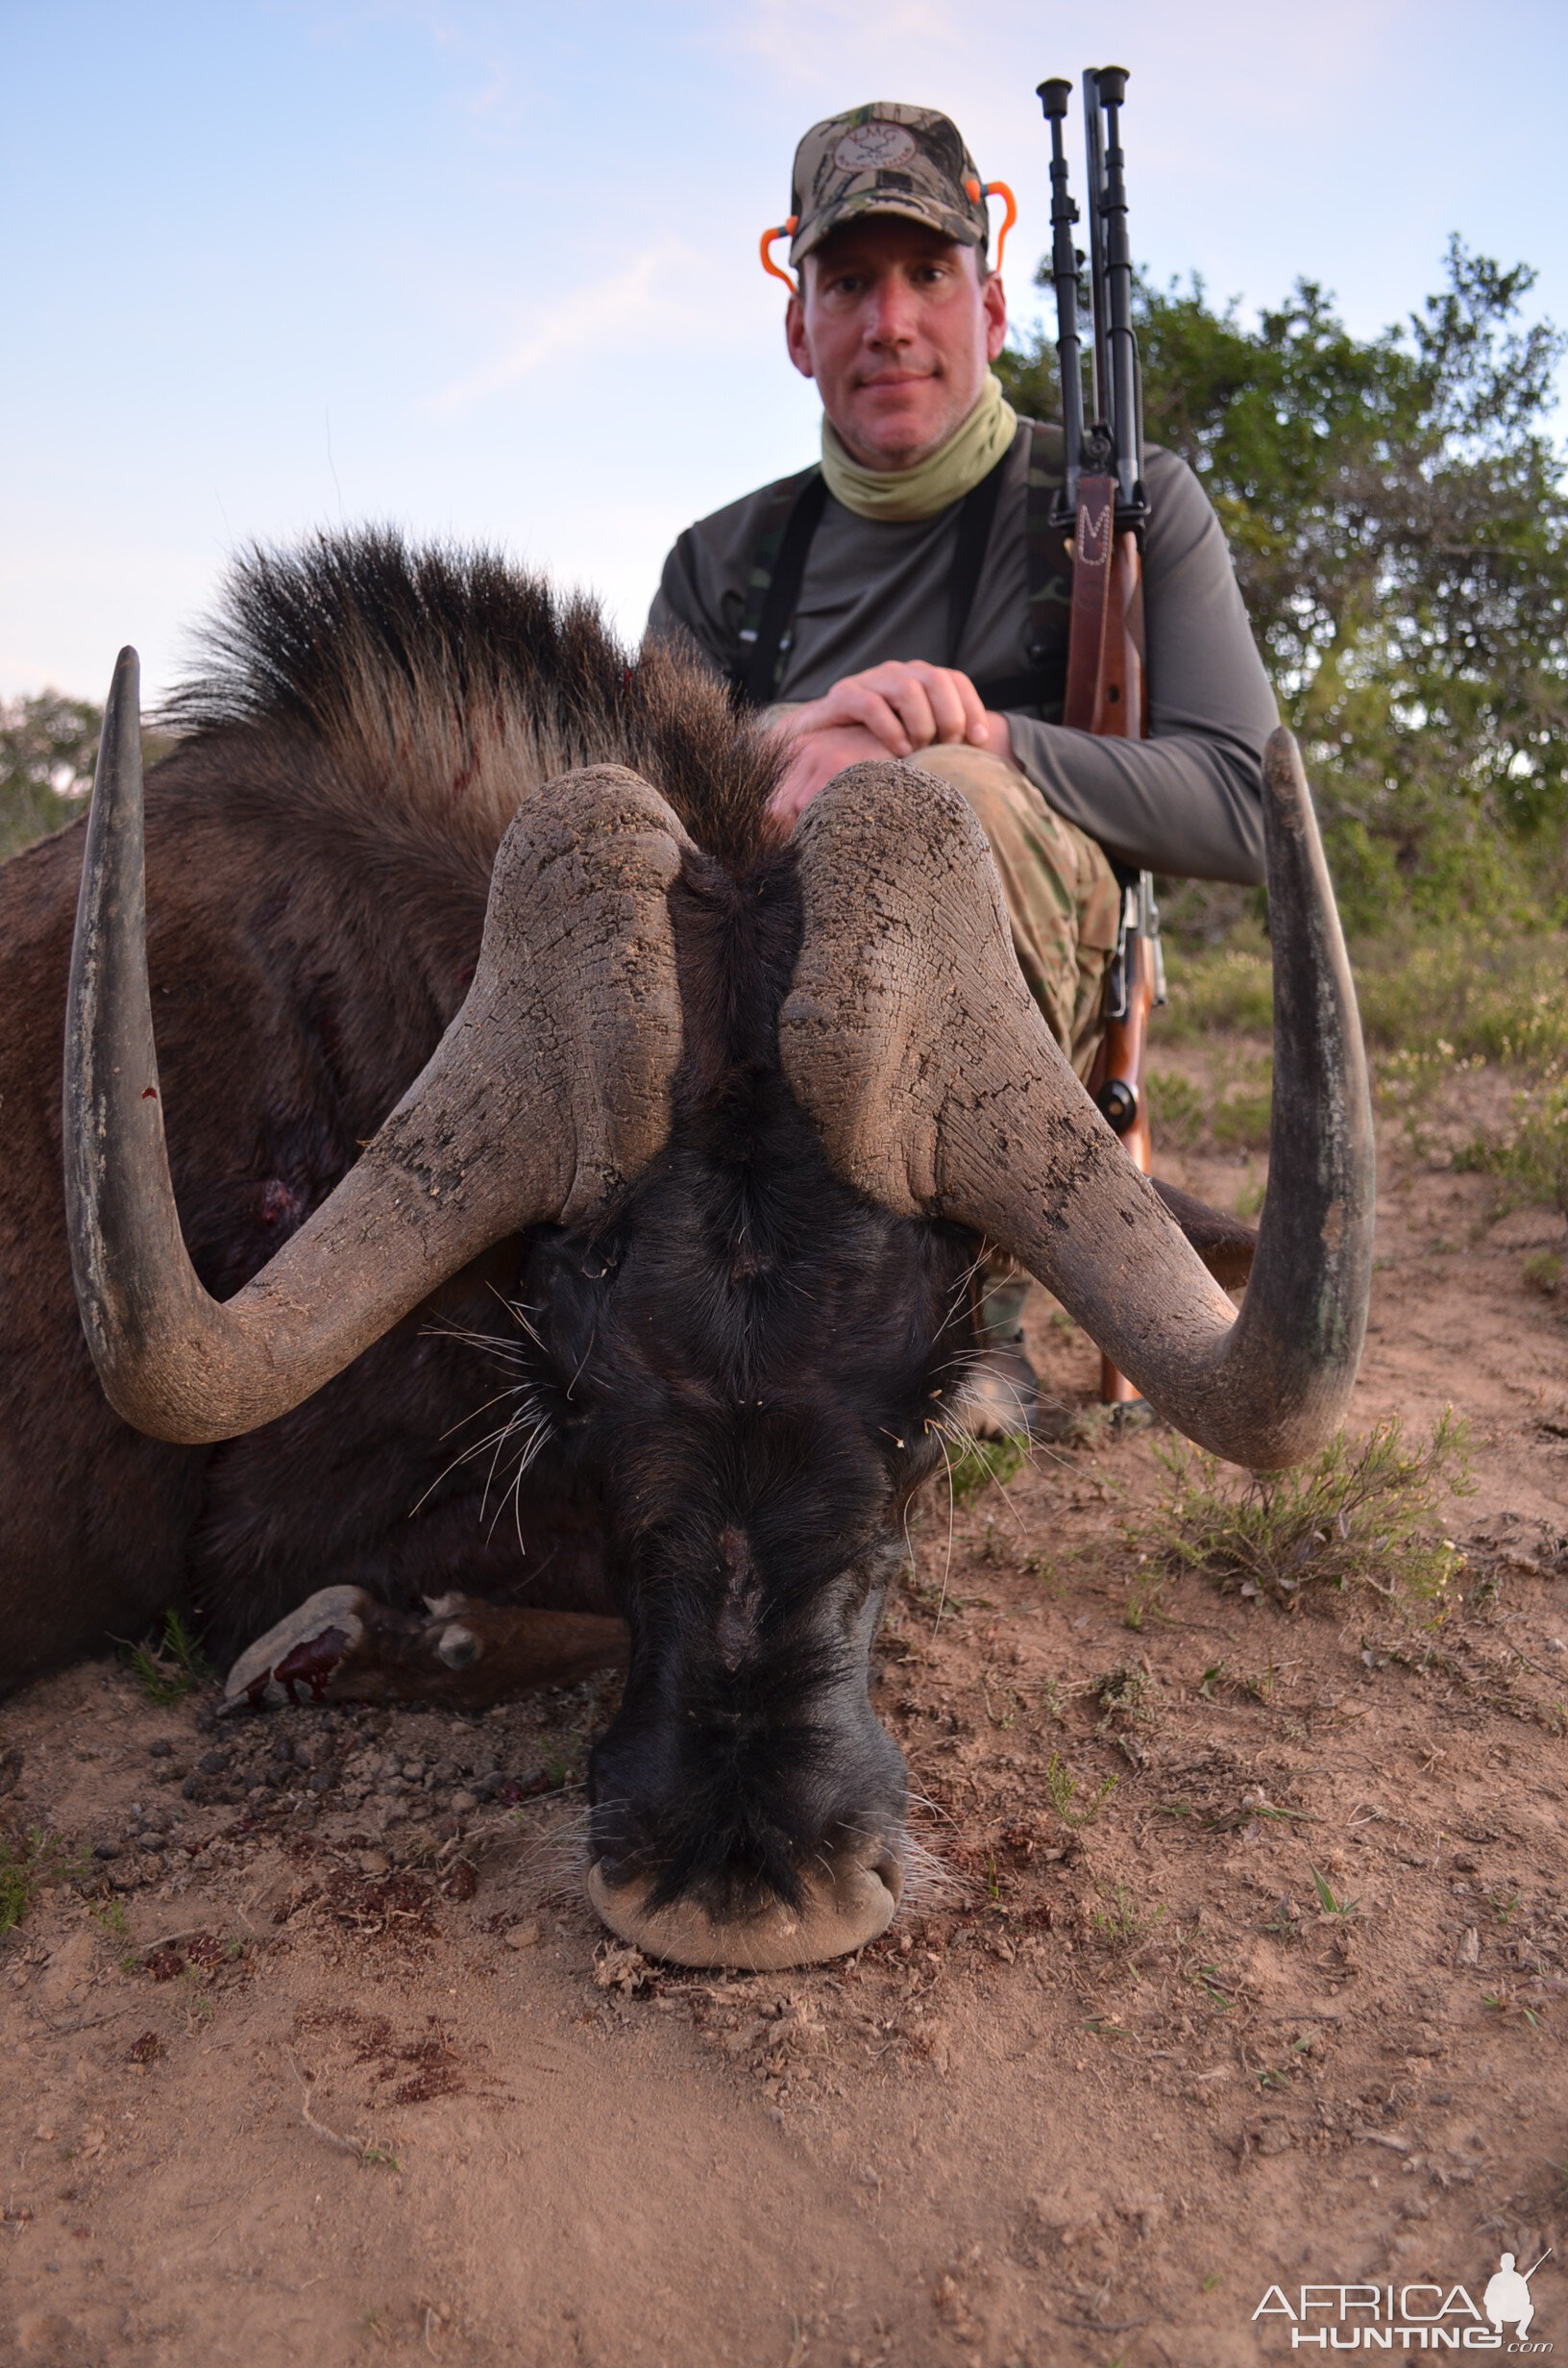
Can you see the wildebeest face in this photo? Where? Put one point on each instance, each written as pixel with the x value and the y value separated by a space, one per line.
pixel 753 1372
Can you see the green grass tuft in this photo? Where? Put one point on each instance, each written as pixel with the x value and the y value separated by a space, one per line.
pixel 984 1463
pixel 26 1869
pixel 1364 1514
pixel 1543 1271
pixel 1326 1899
pixel 1530 1158
pixel 1064 1788
pixel 174 1665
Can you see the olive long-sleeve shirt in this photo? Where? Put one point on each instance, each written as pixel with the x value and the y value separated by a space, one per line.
pixel 1185 802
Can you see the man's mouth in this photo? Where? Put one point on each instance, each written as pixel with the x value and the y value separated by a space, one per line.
pixel 894 378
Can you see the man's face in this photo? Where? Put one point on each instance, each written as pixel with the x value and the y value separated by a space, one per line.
pixel 897 327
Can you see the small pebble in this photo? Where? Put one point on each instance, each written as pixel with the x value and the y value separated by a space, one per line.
pixel 523 1936
pixel 321 1780
pixel 214 1763
pixel 106 1849
pixel 161 1750
pixel 463 1803
pixel 374 1862
pixel 150 1843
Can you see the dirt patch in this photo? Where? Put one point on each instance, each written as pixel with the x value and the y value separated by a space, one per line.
pixel 1242 1959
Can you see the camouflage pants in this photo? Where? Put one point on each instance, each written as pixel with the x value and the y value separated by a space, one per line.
pixel 1060 892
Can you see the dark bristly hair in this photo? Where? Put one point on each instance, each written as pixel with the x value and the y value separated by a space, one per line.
pixel 462 681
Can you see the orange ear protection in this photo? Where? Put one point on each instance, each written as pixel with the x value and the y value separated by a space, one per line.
pixel 785 230
pixel 996 189
pixel 973 190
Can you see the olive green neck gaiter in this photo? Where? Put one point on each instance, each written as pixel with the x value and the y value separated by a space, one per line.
pixel 943 477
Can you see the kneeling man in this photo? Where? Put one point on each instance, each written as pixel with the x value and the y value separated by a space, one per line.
pixel 908 596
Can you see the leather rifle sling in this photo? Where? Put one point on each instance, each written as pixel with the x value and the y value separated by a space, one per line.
pixel 774 589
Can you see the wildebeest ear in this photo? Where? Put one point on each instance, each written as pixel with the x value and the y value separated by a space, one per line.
pixel 910 1039
pixel 548 1092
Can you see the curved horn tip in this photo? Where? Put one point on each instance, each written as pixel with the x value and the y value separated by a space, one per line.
pixel 1284 774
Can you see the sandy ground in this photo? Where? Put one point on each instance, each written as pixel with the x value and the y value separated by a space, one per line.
pixel 330 2064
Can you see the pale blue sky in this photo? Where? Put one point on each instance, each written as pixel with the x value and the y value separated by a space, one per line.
pixel 490 270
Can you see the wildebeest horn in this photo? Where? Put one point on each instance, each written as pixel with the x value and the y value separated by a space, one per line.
pixel 548 1090
pixel 910 1039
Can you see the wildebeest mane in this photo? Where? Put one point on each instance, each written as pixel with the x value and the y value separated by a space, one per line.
pixel 445 685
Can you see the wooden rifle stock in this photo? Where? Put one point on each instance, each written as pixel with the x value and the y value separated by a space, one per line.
pixel 1106 694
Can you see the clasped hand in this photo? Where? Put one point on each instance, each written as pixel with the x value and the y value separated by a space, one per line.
pixel 889 710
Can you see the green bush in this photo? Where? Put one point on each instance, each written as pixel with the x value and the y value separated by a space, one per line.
pixel 1240 1120
pixel 1230 987
pixel 1498 993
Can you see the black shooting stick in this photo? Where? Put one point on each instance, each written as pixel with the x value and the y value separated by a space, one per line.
pixel 1114 273
pixel 1053 96
pixel 1094 176
pixel 1112 443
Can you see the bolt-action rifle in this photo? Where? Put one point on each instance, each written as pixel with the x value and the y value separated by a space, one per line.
pixel 1103 513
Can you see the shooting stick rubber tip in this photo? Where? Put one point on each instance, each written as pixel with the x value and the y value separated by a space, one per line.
pixel 1054 95
pixel 1113 82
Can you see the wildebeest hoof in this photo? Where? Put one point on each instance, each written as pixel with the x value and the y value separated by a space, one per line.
pixel 458 1647
pixel 295 1661
pixel 342 1645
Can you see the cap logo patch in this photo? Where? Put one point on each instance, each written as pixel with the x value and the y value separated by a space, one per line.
pixel 871 146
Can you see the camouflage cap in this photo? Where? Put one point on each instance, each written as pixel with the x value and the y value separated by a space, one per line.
pixel 885 158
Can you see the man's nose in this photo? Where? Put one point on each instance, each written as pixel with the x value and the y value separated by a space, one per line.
pixel 892 315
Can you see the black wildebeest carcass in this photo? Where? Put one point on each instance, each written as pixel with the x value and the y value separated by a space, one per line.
pixel 477 1057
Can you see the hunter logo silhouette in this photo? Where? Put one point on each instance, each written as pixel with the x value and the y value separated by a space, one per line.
pixel 1506 2300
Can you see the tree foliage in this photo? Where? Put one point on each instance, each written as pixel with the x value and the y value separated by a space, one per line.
pixel 1398 514
pixel 48 745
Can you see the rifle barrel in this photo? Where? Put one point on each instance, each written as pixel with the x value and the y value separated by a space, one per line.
pixel 1053 96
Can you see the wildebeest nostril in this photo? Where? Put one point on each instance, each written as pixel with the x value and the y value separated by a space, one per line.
pixel 890 1871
